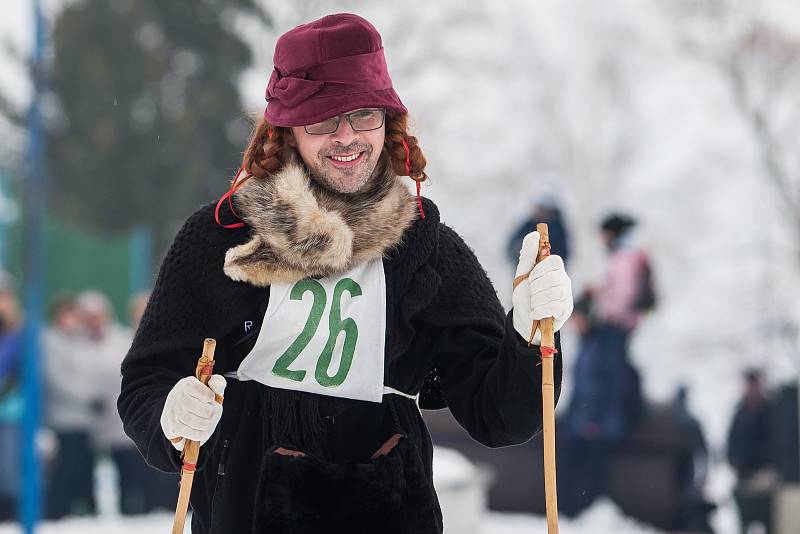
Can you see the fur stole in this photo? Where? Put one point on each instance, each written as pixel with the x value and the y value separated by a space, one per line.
pixel 301 229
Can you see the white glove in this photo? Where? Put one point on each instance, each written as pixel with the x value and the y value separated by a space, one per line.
pixel 546 292
pixel 190 411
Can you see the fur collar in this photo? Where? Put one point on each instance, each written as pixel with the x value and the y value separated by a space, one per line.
pixel 300 229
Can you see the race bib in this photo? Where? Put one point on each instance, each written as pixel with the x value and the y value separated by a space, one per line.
pixel 324 336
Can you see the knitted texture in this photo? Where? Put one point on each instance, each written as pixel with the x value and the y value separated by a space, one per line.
pixel 446 338
pixel 193 298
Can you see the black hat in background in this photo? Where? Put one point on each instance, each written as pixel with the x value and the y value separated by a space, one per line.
pixel 618 223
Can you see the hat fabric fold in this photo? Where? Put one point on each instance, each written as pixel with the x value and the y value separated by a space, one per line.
pixel 327 67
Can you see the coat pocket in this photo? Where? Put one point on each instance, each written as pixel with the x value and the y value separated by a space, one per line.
pixel 304 494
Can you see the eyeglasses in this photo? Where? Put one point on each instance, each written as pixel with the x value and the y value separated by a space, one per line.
pixel 361 120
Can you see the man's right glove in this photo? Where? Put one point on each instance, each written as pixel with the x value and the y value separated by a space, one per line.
pixel 191 412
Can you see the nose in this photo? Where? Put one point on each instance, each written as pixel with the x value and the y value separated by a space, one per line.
pixel 345 133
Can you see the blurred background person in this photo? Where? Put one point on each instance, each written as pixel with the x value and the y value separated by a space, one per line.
pixel 749 454
pixel 160 490
pixel 607 315
pixel 606 399
pixel 545 210
pixel 692 468
pixel 627 291
pixel 107 342
pixel 71 394
pixel 10 397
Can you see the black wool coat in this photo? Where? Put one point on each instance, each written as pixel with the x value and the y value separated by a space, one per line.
pixel 447 339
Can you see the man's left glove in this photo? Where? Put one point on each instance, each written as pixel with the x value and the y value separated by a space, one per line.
pixel 546 292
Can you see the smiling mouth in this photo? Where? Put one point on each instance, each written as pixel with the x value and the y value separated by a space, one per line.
pixel 346 160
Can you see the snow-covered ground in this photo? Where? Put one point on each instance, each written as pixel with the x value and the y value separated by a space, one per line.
pixel 459 483
pixel 602 517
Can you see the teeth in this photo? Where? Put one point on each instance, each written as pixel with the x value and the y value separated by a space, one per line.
pixel 345 158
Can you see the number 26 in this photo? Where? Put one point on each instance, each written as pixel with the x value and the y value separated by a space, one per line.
pixel 335 323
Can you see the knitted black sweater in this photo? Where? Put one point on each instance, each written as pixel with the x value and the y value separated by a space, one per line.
pixel 447 339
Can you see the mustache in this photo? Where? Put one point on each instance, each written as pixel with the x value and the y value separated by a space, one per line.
pixel 349 149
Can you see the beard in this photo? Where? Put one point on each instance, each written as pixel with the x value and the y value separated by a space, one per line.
pixel 341 178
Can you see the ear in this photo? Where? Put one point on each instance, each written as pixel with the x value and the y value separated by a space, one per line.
pixel 289 137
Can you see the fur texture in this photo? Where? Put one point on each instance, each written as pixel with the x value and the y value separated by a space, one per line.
pixel 304 495
pixel 301 229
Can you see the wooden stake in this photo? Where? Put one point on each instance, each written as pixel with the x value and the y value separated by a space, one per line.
pixel 191 449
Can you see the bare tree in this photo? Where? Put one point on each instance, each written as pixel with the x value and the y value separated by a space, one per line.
pixel 763 67
pixel 760 60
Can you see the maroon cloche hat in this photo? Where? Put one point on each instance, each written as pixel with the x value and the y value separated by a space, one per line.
pixel 327 67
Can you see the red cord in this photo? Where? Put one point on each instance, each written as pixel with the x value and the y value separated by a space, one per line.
pixel 408 172
pixel 419 200
pixel 408 157
pixel 548 352
pixel 235 185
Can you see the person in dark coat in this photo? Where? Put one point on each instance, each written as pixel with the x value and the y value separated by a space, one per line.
pixel 546 211
pixel 694 509
pixel 341 306
pixel 748 453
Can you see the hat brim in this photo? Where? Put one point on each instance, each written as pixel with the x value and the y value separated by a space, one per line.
pixel 319 108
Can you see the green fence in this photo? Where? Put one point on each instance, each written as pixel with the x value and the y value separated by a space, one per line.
pixel 79 260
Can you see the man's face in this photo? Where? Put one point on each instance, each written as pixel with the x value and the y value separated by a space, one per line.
pixel 329 157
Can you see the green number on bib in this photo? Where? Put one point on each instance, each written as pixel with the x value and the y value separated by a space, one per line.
pixel 281 367
pixel 337 325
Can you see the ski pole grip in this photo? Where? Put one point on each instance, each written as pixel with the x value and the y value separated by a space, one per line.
pixel 205 365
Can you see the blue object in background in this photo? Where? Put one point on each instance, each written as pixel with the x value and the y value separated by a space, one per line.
pixel 141 259
pixel 36 206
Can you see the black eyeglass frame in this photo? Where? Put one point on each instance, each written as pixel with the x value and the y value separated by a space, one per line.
pixel 349 118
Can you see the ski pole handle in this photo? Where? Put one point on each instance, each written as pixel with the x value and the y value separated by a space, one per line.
pixel 191 449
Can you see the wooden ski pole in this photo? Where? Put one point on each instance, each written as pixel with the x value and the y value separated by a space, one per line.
pixel 191 449
pixel 548 350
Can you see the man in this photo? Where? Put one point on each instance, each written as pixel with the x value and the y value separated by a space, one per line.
pixel 693 509
pixel 749 454
pixel 70 410
pixel 337 303
pixel 106 340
